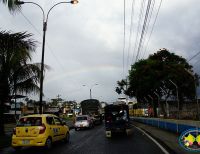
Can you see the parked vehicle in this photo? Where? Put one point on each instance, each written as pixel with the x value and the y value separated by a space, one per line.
pixel 117 119
pixel 39 130
pixel 92 107
pixel 83 121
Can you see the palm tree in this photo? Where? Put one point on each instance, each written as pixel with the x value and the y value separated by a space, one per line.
pixel 17 74
pixel 11 5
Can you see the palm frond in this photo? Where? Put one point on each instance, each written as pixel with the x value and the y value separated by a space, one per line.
pixel 11 5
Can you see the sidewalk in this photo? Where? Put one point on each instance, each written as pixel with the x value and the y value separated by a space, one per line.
pixel 168 139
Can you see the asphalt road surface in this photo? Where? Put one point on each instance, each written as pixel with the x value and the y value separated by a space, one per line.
pixel 93 141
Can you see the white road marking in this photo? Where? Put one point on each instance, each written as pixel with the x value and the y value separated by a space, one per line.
pixel 158 144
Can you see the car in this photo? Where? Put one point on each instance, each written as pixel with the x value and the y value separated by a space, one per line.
pixel 97 119
pixel 39 130
pixel 83 121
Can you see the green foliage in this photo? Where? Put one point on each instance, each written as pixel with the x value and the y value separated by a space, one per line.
pixel 11 4
pixel 17 75
pixel 153 74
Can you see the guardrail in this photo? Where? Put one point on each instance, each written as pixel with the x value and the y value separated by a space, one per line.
pixel 177 126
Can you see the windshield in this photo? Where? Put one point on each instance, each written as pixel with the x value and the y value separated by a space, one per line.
pixel 81 118
pixel 30 121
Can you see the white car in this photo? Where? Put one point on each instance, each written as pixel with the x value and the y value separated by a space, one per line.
pixel 83 121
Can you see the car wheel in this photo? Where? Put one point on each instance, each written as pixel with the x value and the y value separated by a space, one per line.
pixel 76 129
pixel 48 143
pixel 67 137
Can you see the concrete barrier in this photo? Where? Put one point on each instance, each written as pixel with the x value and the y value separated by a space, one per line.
pixel 177 126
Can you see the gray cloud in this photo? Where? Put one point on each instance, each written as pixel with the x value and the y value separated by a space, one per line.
pixel 84 42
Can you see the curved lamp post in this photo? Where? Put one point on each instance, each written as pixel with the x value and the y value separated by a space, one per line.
pixel 177 97
pixel 195 88
pixel 45 20
pixel 91 89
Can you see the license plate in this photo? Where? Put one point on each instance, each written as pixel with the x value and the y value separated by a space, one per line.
pixel 81 125
pixel 25 141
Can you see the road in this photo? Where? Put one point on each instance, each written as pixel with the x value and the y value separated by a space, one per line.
pixel 93 141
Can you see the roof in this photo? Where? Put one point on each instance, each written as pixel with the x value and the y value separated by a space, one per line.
pixel 82 115
pixel 39 115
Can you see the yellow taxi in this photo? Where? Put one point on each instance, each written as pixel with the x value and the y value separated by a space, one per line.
pixel 39 130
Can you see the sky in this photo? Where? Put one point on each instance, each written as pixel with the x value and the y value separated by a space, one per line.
pixel 86 43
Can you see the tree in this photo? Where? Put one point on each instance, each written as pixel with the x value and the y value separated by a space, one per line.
pixel 17 74
pixel 121 86
pixel 151 75
pixel 11 5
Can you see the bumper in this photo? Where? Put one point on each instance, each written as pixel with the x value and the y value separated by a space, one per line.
pixel 27 141
pixel 82 126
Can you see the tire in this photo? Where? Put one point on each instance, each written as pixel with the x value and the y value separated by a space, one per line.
pixel 67 138
pixel 48 143
pixel 76 129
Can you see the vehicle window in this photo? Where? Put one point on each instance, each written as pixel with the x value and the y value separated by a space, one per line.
pixel 50 120
pixel 57 121
pixel 81 118
pixel 30 121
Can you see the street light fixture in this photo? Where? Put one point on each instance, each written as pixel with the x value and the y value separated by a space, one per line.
pixel 195 87
pixel 91 89
pixel 45 20
pixel 167 107
pixel 177 97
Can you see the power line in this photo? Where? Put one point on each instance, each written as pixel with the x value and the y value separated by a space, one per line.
pixel 143 29
pixel 138 27
pixel 194 56
pixel 131 31
pixel 148 23
pixel 124 41
pixel 152 27
pixel 46 41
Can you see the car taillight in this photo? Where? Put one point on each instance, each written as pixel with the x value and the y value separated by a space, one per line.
pixel 109 119
pixel 42 129
pixel 14 131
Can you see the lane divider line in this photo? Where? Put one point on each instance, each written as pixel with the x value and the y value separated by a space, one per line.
pixel 158 144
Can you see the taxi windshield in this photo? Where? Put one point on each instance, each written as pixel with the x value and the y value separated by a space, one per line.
pixel 30 121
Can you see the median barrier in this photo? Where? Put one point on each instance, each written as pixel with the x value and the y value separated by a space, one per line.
pixel 177 126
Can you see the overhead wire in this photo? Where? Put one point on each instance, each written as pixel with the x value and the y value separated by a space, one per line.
pixel 147 27
pixel 138 27
pixel 145 49
pixel 194 56
pixel 124 36
pixel 58 62
pixel 143 30
pixel 51 51
pixel 130 32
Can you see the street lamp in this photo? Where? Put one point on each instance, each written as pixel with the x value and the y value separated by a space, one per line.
pixel 166 104
pixel 158 111
pixel 45 20
pixel 195 87
pixel 177 96
pixel 90 89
